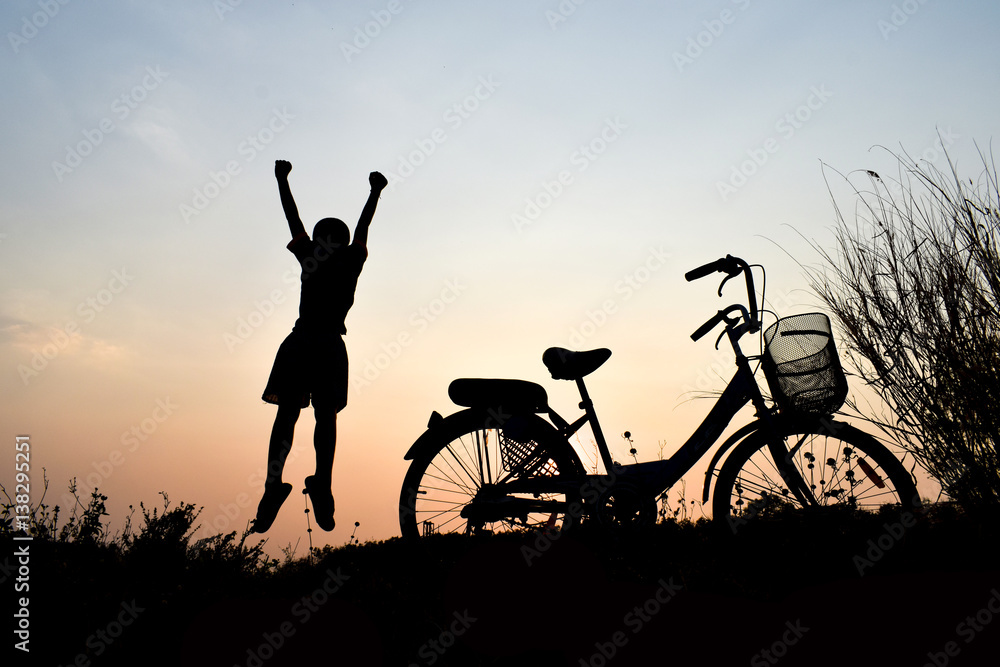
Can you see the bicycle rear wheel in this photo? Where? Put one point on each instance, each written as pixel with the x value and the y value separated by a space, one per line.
pixel 813 468
pixel 474 477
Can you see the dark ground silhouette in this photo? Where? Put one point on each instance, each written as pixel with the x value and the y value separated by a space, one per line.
pixel 677 593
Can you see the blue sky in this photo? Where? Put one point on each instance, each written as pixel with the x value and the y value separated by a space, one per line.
pixel 545 158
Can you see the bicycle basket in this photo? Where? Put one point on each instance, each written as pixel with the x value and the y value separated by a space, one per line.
pixel 801 365
pixel 523 456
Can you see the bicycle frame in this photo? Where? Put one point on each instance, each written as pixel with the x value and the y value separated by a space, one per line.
pixel 654 477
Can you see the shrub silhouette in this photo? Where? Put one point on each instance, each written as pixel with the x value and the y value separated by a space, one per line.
pixel 915 284
pixel 43 519
pixel 163 539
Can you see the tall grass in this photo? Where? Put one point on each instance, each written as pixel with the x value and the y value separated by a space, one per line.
pixel 914 281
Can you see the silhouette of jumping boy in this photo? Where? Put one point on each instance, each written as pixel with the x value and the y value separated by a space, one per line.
pixel 311 363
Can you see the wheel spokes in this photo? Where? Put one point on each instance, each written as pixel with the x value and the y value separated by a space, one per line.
pixel 829 471
pixel 469 472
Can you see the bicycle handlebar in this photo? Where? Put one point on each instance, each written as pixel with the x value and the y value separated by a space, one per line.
pixel 724 264
pixel 708 326
pixel 732 267
pixel 721 316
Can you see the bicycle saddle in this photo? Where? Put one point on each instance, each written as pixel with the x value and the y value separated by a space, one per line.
pixel 568 365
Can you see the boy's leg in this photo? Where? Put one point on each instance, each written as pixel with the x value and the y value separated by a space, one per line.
pixel 281 441
pixel 330 398
pixel 276 491
pixel 318 485
pixel 325 441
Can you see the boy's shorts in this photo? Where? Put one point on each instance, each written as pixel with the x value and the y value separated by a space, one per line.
pixel 309 366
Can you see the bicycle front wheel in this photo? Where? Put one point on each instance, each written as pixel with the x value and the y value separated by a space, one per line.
pixel 475 477
pixel 816 468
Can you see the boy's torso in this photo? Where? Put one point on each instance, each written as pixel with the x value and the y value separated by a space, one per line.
pixel 329 279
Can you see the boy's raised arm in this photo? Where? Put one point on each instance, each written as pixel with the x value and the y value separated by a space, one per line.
pixel 378 183
pixel 281 170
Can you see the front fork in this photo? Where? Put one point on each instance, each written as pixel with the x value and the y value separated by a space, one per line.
pixel 783 456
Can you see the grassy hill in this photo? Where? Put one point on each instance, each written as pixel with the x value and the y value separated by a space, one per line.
pixel 879 590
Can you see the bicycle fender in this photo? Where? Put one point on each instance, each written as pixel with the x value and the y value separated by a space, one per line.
pixel 459 422
pixel 434 424
pixel 730 442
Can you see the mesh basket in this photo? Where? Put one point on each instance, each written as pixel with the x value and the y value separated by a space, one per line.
pixel 525 458
pixel 520 454
pixel 802 367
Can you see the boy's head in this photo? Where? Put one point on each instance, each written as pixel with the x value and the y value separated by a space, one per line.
pixel 332 231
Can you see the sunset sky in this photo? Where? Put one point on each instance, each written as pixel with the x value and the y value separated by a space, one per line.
pixel 555 168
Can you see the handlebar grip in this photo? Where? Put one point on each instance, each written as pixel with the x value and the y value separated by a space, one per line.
pixel 702 271
pixel 708 326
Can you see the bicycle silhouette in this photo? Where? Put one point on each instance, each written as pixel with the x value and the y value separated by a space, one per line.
pixel 498 465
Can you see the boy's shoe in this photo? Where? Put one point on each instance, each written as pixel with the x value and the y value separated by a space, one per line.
pixel 267 510
pixel 322 502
